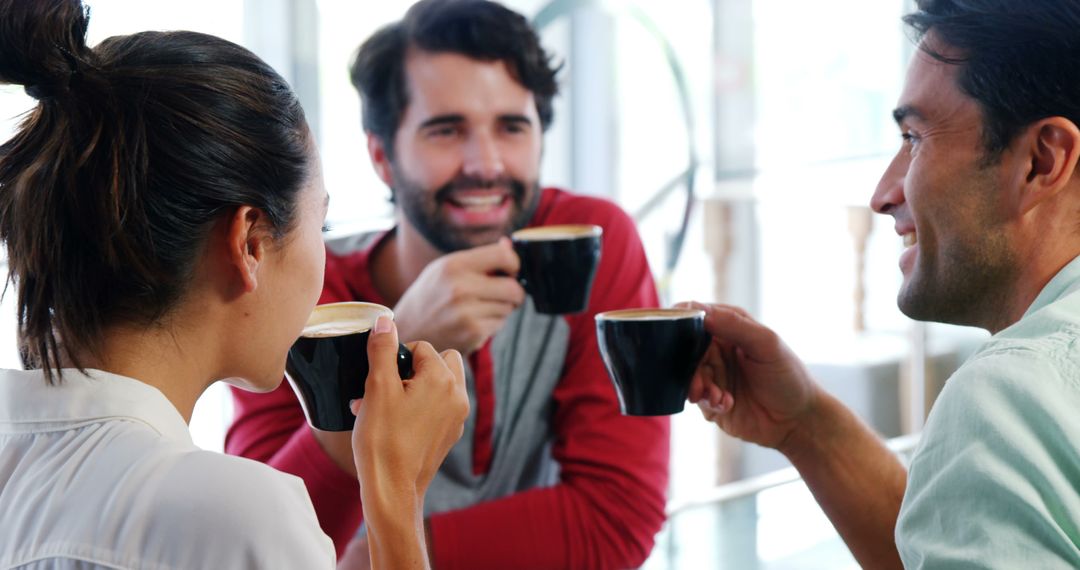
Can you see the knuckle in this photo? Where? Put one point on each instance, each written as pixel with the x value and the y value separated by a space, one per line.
pixel 452 357
pixel 458 292
pixel 474 328
pixel 517 292
pixel 449 263
pixel 511 259
pixel 424 347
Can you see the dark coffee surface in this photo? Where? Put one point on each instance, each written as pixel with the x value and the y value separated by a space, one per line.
pixel 652 360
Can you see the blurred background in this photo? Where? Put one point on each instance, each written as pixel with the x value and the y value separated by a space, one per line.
pixel 744 136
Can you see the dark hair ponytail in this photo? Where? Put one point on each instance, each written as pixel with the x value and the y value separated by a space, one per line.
pixel 136 148
pixel 42 44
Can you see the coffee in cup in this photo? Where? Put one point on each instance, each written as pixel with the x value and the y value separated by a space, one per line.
pixel 328 365
pixel 558 265
pixel 651 355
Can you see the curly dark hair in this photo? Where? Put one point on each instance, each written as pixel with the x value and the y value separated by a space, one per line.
pixel 478 29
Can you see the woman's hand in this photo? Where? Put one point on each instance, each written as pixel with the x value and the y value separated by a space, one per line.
pixel 403 431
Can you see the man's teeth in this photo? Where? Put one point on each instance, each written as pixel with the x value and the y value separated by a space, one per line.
pixel 909 240
pixel 479 202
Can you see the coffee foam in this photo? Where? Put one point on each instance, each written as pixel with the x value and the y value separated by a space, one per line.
pixel 338 319
pixel 650 315
pixel 551 233
pixel 336 328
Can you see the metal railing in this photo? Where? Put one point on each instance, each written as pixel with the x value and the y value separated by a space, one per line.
pixel 902 446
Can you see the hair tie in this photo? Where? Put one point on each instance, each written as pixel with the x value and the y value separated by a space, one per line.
pixel 43 91
pixel 40 92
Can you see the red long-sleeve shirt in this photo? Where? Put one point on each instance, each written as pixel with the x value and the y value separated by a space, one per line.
pixel 609 500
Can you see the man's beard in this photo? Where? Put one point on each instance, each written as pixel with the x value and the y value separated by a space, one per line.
pixel 423 209
pixel 963 286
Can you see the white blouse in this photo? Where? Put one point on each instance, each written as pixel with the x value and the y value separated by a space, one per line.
pixel 100 471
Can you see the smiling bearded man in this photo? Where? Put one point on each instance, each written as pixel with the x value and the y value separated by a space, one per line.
pixel 548 474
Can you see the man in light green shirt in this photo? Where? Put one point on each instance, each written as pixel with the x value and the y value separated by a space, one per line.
pixel 985 193
pixel 996 480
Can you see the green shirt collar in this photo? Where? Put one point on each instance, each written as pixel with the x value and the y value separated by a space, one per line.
pixel 1066 281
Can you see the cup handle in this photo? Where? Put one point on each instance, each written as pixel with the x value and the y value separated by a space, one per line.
pixel 404 362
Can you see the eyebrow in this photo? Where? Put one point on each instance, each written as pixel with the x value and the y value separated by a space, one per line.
pixel 456 119
pixel 437 120
pixel 904 111
pixel 516 119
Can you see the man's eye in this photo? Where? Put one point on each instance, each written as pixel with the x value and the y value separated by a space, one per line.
pixel 443 132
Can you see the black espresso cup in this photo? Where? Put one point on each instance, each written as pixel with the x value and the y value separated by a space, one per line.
pixel 651 355
pixel 558 265
pixel 328 365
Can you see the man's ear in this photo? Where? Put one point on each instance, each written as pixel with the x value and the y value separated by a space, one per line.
pixel 1053 149
pixel 379 159
pixel 247 241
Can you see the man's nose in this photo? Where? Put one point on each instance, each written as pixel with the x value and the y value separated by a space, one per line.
pixel 483 157
pixel 889 193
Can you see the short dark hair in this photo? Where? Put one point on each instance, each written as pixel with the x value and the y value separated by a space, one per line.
pixel 136 148
pixel 478 29
pixel 1019 60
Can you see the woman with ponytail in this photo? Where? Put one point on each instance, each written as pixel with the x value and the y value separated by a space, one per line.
pixel 161 209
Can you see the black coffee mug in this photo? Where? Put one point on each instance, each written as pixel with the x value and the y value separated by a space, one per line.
pixel 651 355
pixel 558 265
pixel 328 365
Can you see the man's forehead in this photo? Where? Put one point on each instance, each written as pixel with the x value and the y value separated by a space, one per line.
pixel 449 82
pixel 930 84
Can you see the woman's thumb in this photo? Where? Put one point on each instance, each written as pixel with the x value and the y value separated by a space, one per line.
pixel 382 349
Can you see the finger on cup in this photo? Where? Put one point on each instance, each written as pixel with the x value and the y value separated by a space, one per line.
pixel 382 347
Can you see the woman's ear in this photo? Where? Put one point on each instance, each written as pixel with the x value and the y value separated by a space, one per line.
pixel 246 243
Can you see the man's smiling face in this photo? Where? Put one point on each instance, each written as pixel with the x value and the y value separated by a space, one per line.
pixel 466 157
pixel 945 194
